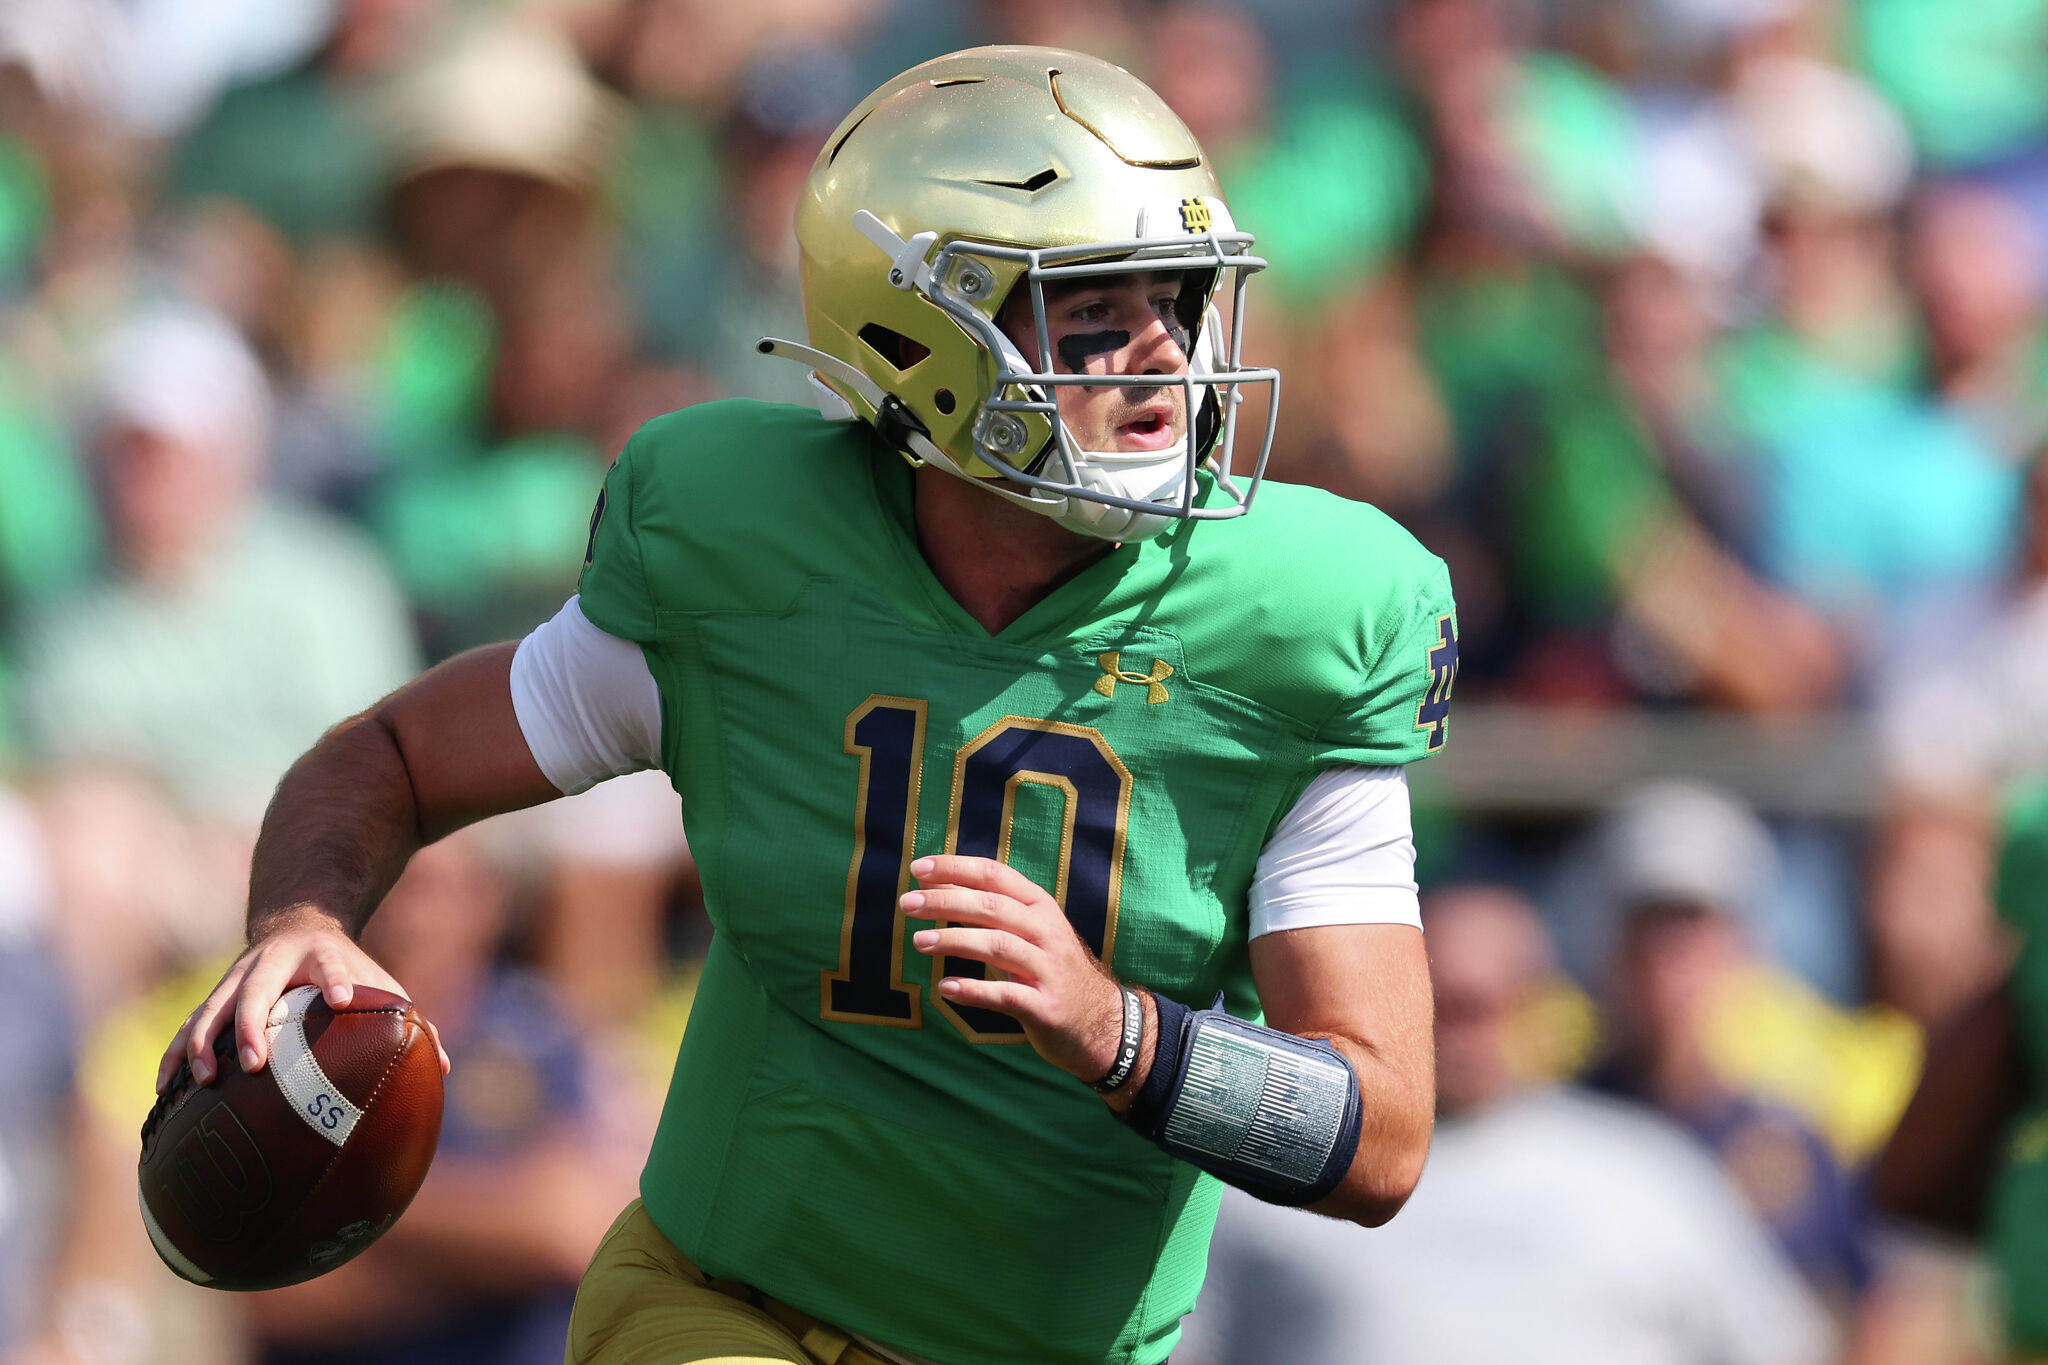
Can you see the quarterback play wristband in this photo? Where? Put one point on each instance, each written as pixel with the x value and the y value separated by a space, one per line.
pixel 1275 1115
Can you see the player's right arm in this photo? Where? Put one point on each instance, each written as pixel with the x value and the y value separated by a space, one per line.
pixel 439 753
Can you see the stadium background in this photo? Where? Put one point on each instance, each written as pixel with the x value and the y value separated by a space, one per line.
pixel 1704 338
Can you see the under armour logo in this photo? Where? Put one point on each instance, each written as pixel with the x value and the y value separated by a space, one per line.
pixel 1113 673
pixel 1195 215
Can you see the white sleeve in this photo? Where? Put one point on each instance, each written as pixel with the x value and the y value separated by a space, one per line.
pixel 1345 854
pixel 586 702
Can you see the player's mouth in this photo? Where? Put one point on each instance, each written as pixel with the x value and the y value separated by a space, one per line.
pixel 1151 429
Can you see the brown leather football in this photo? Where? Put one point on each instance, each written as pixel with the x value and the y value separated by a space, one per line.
pixel 266 1179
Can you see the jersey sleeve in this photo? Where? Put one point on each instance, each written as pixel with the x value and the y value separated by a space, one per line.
pixel 613 586
pixel 1401 711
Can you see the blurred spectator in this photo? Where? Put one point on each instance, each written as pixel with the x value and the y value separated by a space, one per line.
pixel 1971 80
pixel 1642 504
pixel 500 136
pixel 1971 1154
pixel 228 631
pixel 694 52
pixel 614 859
pixel 1598 521
pixel 1106 28
pixel 1707 1031
pixel 155 66
pixel 790 97
pixel 144 889
pixel 37 1061
pixel 49 534
pixel 1976 262
pixel 1872 500
pixel 506 376
pixel 1210 64
pixel 1551 1225
pixel 301 147
pixel 1962 714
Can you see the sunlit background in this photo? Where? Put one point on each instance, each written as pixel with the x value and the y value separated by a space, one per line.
pixel 1704 339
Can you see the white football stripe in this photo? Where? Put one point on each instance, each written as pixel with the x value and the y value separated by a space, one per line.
pixel 293 1004
pixel 317 1100
pixel 173 1257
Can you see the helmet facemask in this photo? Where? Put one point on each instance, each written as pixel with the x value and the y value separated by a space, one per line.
pixel 1019 433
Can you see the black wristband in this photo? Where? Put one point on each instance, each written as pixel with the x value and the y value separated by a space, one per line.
pixel 1127 1045
pixel 1147 1113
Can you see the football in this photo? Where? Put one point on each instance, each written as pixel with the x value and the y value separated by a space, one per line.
pixel 266 1179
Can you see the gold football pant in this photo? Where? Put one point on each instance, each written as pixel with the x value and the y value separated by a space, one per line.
pixel 643 1303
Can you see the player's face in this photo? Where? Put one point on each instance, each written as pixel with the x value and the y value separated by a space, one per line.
pixel 1112 324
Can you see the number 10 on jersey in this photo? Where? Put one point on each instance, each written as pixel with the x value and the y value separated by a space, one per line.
pixel 887 735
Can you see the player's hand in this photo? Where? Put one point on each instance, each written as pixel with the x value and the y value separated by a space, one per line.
pixel 301 948
pixel 1070 1006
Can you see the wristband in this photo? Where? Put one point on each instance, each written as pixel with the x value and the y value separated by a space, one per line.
pixel 1148 1107
pixel 1276 1115
pixel 1127 1046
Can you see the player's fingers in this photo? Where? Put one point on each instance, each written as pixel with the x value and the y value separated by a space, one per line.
pixel 206 1022
pixel 271 973
pixel 174 1054
pixel 961 905
pixel 983 874
pixel 331 975
pixel 993 946
pixel 167 1065
pixel 1015 998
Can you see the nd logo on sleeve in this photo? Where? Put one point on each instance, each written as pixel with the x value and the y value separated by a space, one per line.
pixel 1434 712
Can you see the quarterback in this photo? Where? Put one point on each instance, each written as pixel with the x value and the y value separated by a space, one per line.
pixel 1050 809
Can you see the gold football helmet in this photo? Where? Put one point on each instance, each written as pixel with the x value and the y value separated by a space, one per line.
pixel 973 173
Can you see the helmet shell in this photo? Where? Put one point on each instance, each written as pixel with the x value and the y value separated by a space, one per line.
pixel 1028 147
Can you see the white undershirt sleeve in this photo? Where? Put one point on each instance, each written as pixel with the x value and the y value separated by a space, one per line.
pixel 1345 854
pixel 586 702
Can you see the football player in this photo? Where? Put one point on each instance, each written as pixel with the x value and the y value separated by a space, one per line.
pixel 1050 809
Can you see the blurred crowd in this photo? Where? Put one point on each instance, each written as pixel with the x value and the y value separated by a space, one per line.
pixel 1706 339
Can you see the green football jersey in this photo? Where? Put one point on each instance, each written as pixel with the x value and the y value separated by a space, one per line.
pixel 836 1134
pixel 2019 1195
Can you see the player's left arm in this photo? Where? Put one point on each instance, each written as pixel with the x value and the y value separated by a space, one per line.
pixel 1364 989
pixel 1348 1004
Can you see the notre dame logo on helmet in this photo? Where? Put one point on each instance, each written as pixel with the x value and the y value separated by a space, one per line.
pixel 1195 215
